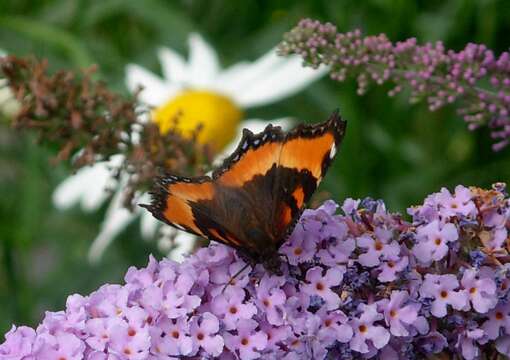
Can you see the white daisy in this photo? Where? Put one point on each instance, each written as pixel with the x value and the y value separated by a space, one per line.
pixel 200 93
pixel 9 106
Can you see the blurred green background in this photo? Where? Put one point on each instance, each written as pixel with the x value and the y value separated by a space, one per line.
pixel 393 151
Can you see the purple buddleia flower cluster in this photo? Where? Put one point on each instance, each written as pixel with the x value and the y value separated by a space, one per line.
pixel 475 79
pixel 360 282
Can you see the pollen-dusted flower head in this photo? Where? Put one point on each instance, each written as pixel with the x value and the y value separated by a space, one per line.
pixel 324 306
pixel 192 94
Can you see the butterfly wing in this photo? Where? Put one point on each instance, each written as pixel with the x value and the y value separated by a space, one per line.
pixel 254 199
pixel 306 155
pixel 224 208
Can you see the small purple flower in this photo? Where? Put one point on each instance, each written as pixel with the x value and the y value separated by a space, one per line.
pixel 350 206
pixel 337 253
pixel 366 334
pixel 503 345
pixel 142 277
pixel 178 302
pixel 230 278
pixel 109 300
pixel 248 342
pixel 204 332
pixel 433 241
pixel 100 331
pixel 442 289
pixel 390 267
pixel 59 346
pixel 481 291
pixel 399 314
pixel 458 204
pixel 275 334
pixel 18 343
pixel 213 255
pixel 271 298
pixel 499 318
pixel 230 307
pixel 171 338
pixel 467 343
pixel 432 343
pixel 333 326
pixel 297 314
pixel 320 285
pixel 301 246
pixel 378 247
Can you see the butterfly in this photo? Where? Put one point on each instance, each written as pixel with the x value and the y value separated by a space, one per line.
pixel 254 199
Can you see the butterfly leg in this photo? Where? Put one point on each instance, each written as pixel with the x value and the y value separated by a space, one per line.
pixel 230 282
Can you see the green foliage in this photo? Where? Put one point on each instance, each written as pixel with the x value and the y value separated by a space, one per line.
pixel 393 150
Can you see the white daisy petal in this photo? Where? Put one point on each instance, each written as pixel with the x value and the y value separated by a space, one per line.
pixel 88 186
pixel 254 125
pixel 203 62
pixel 97 194
pixel 89 181
pixel 70 191
pixel 148 223
pixel 173 65
pixel 155 90
pixel 280 82
pixel 9 106
pixel 239 77
pixel 184 243
pixel 116 219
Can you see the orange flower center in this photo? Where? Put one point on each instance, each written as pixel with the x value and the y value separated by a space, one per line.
pixel 378 245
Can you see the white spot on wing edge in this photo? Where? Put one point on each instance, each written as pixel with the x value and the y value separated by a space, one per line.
pixel 332 152
pixel 179 226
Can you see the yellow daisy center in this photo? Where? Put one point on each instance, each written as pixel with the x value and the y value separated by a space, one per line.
pixel 217 115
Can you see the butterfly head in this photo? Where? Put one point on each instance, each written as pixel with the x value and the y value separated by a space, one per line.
pixel 273 264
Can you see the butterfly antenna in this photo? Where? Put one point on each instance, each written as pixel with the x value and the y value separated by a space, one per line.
pixel 234 277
